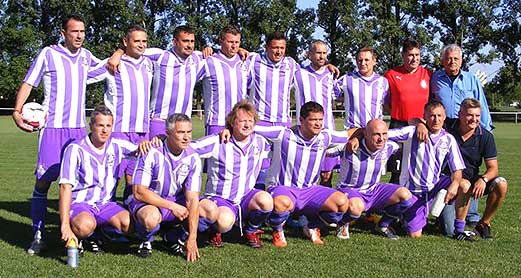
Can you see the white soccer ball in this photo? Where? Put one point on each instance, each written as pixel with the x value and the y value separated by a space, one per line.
pixel 34 114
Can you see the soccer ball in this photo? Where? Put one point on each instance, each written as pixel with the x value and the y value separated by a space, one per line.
pixel 34 114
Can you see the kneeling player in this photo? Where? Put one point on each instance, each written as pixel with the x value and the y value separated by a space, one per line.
pixel 166 185
pixel 233 169
pixel 360 179
pixel 89 174
pixel 297 155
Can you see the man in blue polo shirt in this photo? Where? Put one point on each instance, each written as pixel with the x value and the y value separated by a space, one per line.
pixel 477 145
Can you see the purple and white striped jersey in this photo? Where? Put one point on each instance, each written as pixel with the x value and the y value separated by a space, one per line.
pixel 271 86
pixel 93 173
pixel 225 83
pixel 174 82
pixel 127 93
pixel 167 174
pixel 232 168
pixel 362 169
pixel 318 86
pixel 295 160
pixel 422 163
pixel 363 98
pixel 64 78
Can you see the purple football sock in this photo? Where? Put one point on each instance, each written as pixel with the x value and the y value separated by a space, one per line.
pixel 204 224
pixel 142 232
pixel 347 218
pixel 276 219
pixel 324 217
pixel 38 209
pixel 255 220
pixel 459 226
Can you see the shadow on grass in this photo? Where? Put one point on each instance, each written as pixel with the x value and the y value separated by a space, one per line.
pixel 24 208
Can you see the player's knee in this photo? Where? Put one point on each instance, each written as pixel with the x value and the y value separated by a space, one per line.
pixel 416 234
pixel 282 203
pixel 356 207
pixel 124 222
pixel 225 221
pixel 208 210
pixel 404 194
pixel 264 201
pixel 149 218
pixel 341 201
pixel 501 188
pixel 464 186
pixel 83 226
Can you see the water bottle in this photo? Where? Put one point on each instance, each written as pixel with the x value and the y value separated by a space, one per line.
pixel 72 253
pixel 439 203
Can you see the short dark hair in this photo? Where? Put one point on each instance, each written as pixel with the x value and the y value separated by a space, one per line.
pixel 100 110
pixel 310 107
pixel 174 118
pixel 314 44
pixel 74 17
pixel 183 29
pixel 275 36
pixel 409 44
pixel 134 28
pixel 230 29
pixel 366 49
pixel 433 103
pixel 245 105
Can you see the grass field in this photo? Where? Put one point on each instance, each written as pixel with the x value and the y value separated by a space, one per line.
pixel 364 255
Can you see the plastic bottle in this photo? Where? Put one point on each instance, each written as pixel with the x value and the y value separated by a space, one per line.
pixel 72 253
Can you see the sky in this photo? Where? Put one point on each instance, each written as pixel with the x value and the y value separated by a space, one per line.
pixel 490 69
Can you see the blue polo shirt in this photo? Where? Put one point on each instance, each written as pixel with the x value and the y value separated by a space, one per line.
pixel 480 146
pixel 452 93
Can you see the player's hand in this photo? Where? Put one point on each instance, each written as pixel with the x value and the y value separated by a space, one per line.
pixel 67 234
pixel 243 53
pixel 224 135
pixel 451 192
pixel 21 123
pixel 114 61
pixel 179 211
pixel 334 70
pixel 207 52
pixel 479 189
pixel 192 252
pixel 352 145
pixel 422 133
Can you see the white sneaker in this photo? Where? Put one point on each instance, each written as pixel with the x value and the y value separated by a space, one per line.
pixel 342 232
pixel 37 245
pixel 313 234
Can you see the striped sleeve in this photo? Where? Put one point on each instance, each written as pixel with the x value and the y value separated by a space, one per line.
pixel 70 165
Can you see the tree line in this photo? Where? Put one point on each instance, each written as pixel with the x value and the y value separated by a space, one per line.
pixel 487 30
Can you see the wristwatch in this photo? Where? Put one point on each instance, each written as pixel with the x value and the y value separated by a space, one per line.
pixel 484 179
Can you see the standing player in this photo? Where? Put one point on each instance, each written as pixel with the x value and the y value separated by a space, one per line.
pixel 477 145
pixel 176 72
pixel 297 155
pixel 225 80
pixel 127 93
pixel 409 92
pixel 63 70
pixel 89 176
pixel 424 162
pixel 359 179
pixel 166 185
pixel 316 83
pixel 364 91
pixel 232 171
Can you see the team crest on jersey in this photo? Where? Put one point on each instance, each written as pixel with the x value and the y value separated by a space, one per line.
pixel 443 146
pixel 423 84
pixel 244 66
pixel 380 86
pixel 320 144
pixel 183 170
pixel 84 61
pixel 287 67
pixel 256 151
pixel 110 160
pixel 148 67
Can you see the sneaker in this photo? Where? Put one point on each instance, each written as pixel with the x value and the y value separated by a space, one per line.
pixel 176 248
pixel 464 236
pixel 216 240
pixel 387 232
pixel 254 239
pixel 145 249
pixel 279 240
pixel 37 245
pixel 313 234
pixel 483 230
pixel 342 231
pixel 93 245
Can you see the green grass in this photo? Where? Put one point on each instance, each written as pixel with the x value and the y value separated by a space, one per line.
pixel 362 256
